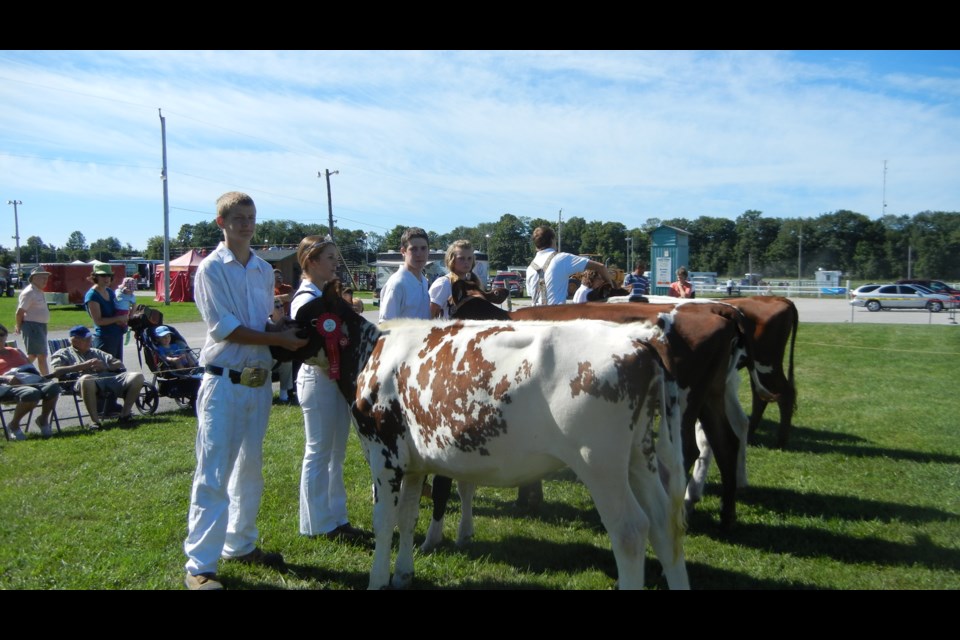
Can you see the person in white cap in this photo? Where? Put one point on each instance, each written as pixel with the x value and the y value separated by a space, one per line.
pixel 32 318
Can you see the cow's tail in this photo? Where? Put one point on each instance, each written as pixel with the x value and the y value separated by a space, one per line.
pixel 669 450
pixel 791 382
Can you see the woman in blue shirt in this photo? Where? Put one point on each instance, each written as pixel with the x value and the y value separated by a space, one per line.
pixel 100 303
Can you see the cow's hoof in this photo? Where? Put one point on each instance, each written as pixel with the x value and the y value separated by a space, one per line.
pixel 464 541
pixel 429 545
pixel 401 580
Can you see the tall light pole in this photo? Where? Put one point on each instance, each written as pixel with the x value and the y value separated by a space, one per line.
pixel 486 245
pixel 16 234
pixel 799 256
pixel 329 197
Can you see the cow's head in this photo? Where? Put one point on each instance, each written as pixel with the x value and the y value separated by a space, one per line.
pixel 601 293
pixel 470 302
pixel 334 328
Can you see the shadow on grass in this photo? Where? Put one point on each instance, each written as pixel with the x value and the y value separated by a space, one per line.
pixel 806 440
pixel 811 542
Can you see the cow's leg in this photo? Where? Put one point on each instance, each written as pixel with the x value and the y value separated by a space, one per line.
pixel 739 423
pixel 691 455
pixel 530 495
pixel 409 510
pixel 465 533
pixel 441 496
pixel 759 405
pixel 786 403
pixel 625 522
pixel 698 479
pixel 726 448
pixel 386 503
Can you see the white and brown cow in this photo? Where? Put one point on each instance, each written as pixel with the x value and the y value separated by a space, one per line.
pixel 500 404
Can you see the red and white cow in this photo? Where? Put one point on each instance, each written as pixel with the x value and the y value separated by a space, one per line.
pixel 500 403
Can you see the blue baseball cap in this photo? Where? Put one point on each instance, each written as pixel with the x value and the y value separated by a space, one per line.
pixel 80 331
pixel 161 331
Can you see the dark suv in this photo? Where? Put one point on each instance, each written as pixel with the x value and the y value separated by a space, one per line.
pixel 934 285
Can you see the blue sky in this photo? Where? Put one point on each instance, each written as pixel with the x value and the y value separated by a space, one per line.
pixel 442 139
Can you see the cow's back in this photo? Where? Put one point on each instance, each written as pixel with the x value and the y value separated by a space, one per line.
pixel 474 400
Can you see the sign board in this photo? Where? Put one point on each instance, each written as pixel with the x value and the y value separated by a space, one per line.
pixel 664 271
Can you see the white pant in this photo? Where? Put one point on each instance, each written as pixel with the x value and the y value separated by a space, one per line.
pixel 228 483
pixel 326 418
pixel 285 370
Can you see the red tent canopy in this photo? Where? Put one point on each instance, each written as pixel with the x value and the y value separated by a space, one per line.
pixel 182 272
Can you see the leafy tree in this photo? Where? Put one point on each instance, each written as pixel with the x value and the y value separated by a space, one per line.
pixel 202 235
pixel 154 249
pixel 106 249
pixel 76 247
pixel 509 243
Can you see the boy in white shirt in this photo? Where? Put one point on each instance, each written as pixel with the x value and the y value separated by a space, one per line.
pixel 234 294
pixel 405 294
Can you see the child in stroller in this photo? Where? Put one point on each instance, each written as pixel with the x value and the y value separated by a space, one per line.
pixel 175 366
pixel 178 355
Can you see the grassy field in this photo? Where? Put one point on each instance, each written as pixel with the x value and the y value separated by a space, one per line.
pixel 64 317
pixel 866 497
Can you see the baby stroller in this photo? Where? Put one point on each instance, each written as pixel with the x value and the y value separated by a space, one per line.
pixel 181 382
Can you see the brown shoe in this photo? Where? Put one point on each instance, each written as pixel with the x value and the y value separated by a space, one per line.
pixel 202 582
pixel 261 558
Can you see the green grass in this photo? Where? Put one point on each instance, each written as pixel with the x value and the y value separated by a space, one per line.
pixel 866 497
pixel 64 317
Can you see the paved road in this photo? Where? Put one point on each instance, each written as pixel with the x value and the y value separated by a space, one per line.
pixel 810 309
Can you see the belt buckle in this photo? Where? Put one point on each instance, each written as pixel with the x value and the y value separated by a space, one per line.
pixel 253 376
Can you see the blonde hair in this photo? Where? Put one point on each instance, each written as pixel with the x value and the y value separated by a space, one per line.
pixel 310 248
pixel 231 199
pixel 451 256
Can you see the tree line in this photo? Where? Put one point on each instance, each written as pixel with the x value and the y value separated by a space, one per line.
pixel 846 241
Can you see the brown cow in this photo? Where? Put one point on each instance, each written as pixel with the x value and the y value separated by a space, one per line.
pixel 775 320
pixel 702 349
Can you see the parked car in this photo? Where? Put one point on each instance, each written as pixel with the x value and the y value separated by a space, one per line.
pixel 509 280
pixel 900 296
pixel 936 286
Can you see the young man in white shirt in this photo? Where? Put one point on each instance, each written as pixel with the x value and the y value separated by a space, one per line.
pixel 406 293
pixel 556 267
pixel 234 294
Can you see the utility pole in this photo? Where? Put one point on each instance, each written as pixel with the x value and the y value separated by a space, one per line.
pixel 166 213
pixel 559 227
pixel 799 256
pixel 16 235
pixel 329 197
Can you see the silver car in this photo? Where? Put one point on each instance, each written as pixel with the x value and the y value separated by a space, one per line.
pixel 900 296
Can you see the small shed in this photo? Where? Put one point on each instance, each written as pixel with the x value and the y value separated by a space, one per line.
pixel 669 250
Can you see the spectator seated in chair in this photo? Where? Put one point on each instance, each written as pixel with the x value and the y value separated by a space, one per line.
pixel 99 374
pixel 22 383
